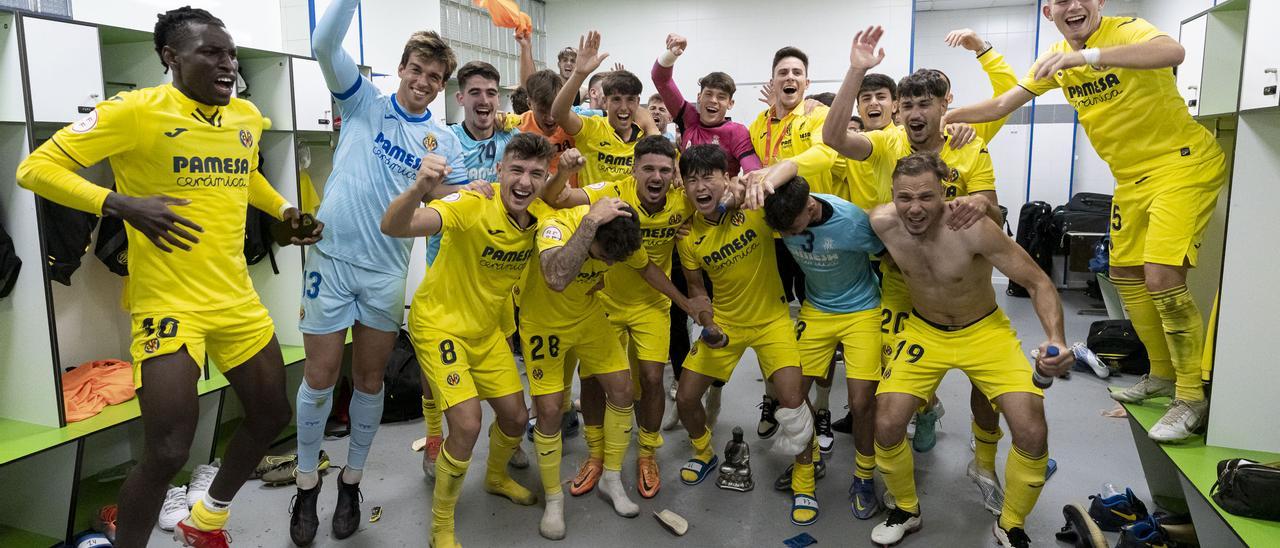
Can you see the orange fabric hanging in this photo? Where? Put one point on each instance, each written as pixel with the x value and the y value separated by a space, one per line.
pixel 507 14
pixel 94 385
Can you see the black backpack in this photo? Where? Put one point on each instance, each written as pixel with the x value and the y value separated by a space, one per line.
pixel 1036 235
pixel 10 264
pixel 1248 488
pixel 1118 345
pixel 113 245
pixel 257 238
pixel 1085 212
pixel 402 384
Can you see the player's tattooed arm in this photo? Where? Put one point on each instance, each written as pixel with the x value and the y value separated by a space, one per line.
pixel 561 265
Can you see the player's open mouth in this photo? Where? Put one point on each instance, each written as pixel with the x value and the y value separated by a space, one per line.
pixel 224 84
pixel 703 199
pixel 916 125
pixel 711 109
pixel 790 90
pixel 483 111
pixel 1076 21
pixel 521 194
pixel 419 94
pixel 874 113
pixel 624 116
pixel 654 187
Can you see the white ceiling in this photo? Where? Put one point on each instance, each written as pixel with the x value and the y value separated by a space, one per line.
pixel 940 5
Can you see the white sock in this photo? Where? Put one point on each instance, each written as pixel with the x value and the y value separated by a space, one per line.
pixel 214 505
pixel 552 525
pixel 307 480
pixel 351 476
pixel 823 401
pixel 611 486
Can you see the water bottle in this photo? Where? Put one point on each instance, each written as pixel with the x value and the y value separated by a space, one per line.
pixel 1041 380
pixel 1109 490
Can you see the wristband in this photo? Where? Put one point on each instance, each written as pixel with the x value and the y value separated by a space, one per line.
pixel 1091 56
pixel 667 59
pixel 286 207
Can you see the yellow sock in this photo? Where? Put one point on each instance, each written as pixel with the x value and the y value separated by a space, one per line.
pixel 449 475
pixel 1146 322
pixel 803 483
pixel 496 479
pixel 208 520
pixel 433 417
pixel 566 401
pixel 1024 478
pixel 984 448
pixel 898 469
pixel 864 465
pixel 816 454
pixel 649 442
pixel 617 434
pixel 1184 333
pixel 548 448
pixel 701 451
pixel 594 434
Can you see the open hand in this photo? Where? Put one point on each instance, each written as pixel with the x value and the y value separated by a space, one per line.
pixel 155 219
pixel 589 56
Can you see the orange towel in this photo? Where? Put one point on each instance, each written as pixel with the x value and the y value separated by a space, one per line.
pixel 507 14
pixel 94 385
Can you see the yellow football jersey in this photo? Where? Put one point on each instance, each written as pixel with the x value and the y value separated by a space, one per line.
pixel 482 256
pixel 738 256
pixel 624 288
pixel 160 142
pixel 969 167
pixel 1134 118
pixel 608 157
pixel 1002 79
pixel 549 308
pixel 797 137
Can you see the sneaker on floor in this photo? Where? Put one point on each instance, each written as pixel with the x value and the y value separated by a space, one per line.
pixel 783 483
pixel 844 425
pixel 670 418
pixel 303 521
pixel 284 473
pixel 927 428
pixel 822 428
pixel 1115 511
pixel 1146 388
pixel 1146 533
pixel 1013 538
pixel 1183 420
pixel 429 455
pixel 519 459
pixel 570 425
pixel 768 425
pixel 989 487
pixel 1085 356
pixel 187 535
pixel 1080 530
pixel 900 523
pixel 174 508
pixel 528 430
pixel 671 389
pixel 862 498
pixel 588 476
pixel 270 462
pixel 648 479
pixel 346 512
pixel 201 478
pixel 911 426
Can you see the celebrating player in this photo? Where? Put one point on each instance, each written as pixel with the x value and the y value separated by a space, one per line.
pixel 1116 72
pixel 957 324
pixel 189 291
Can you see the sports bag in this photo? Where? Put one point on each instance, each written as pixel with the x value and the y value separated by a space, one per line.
pixel 1118 345
pixel 1035 234
pixel 402 384
pixel 1247 488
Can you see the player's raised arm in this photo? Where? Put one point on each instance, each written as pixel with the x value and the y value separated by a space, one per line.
pixel 339 69
pixel 991 109
pixel 862 58
pixel 589 59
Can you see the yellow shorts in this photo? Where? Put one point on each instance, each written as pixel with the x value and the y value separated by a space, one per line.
pixel 774 343
pixel 230 336
pixel 818 333
pixel 508 319
pixel 459 369
pixel 895 308
pixel 1162 218
pixel 647 330
pixel 546 350
pixel 987 351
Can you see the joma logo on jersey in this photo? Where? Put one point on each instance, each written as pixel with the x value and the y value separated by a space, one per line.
pixel 506 256
pixel 1097 86
pixel 210 164
pixel 611 160
pixel 397 153
pixel 728 250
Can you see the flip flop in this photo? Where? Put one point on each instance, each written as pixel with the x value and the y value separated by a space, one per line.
pixel 700 469
pixel 801 501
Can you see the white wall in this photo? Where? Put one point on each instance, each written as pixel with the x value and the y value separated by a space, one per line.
pixel 737 37
pixel 253 23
